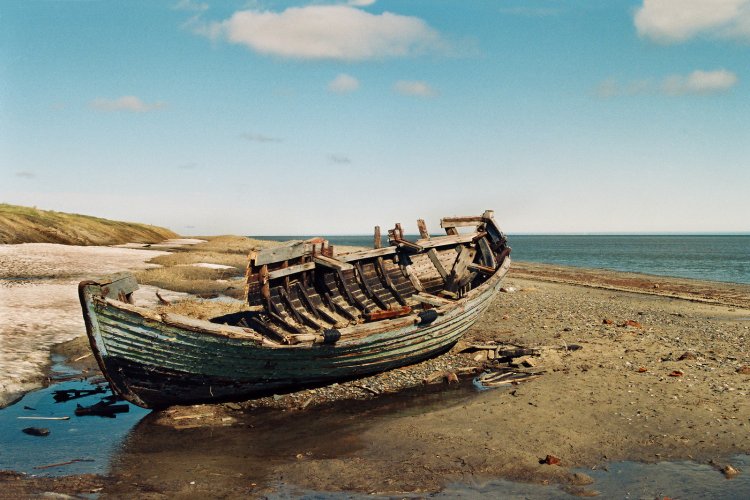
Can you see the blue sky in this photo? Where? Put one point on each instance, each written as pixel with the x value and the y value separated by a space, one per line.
pixel 268 117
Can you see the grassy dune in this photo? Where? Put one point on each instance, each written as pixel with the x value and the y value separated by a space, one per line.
pixel 30 225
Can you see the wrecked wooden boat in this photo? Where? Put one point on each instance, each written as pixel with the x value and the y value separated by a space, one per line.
pixel 315 317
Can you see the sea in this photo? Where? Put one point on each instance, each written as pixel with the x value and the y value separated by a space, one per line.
pixel 713 257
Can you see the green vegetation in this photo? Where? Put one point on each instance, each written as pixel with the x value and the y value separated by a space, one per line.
pixel 31 225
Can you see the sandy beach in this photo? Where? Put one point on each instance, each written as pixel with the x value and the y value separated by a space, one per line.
pixel 661 374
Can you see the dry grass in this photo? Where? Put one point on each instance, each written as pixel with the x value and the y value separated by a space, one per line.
pixel 179 275
pixel 203 309
pixel 30 225
pixel 233 244
pixel 196 280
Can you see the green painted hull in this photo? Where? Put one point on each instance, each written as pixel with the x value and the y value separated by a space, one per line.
pixel 156 362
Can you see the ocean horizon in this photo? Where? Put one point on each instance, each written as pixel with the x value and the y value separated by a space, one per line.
pixel 721 257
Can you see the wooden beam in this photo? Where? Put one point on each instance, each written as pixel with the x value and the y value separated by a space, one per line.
pixel 377 240
pixel 482 269
pixel 422 226
pixel 388 314
pixel 448 222
pixel 332 263
pixel 367 254
pixel 279 273
pixel 460 268
pixel 290 250
pixel 432 254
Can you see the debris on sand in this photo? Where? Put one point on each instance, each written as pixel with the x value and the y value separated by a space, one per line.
pixel 36 431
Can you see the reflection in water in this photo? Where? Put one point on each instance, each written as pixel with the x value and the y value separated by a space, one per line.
pixel 257 442
pixel 90 440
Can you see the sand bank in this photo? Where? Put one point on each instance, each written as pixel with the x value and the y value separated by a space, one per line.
pixel 39 303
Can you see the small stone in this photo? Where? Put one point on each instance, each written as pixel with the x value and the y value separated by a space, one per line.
pixel 677 373
pixel 729 471
pixel 607 321
pixel 687 356
pixel 550 460
pixel 744 370
pixel 36 431
pixel 642 369
pixel 631 323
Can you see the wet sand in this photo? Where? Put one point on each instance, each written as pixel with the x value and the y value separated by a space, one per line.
pixel 614 399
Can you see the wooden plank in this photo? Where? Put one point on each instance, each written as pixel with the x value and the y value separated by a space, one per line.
pixel 279 273
pixel 448 222
pixel 422 226
pixel 332 263
pixel 432 254
pixel 482 269
pixel 290 250
pixel 460 268
pixel 377 240
pixel 428 298
pixel 367 254
pixel 448 240
pixel 388 314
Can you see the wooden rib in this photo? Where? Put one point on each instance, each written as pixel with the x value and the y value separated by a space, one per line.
pixel 369 292
pixel 448 240
pixel 304 298
pixel 380 270
pixel 377 240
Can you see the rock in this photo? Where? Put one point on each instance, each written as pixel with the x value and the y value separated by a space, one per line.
pixel 581 479
pixel 642 369
pixel 687 355
pixel 550 460
pixel 729 471
pixel 656 286
pixel 509 289
pixel 233 406
pixel 607 321
pixel 744 370
pixel 677 373
pixel 451 378
pixel 36 431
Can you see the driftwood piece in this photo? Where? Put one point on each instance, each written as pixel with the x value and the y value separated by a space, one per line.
pixel 36 431
pixel 60 464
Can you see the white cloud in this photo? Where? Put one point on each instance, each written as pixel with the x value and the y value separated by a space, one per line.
pixel 26 174
pixel 700 82
pixel 260 138
pixel 190 5
pixel 697 82
pixel 343 84
pixel 360 3
pixel 414 88
pixel 126 103
pixel 670 21
pixel 340 159
pixel 325 32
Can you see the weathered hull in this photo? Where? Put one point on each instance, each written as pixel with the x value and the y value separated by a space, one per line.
pixel 154 364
